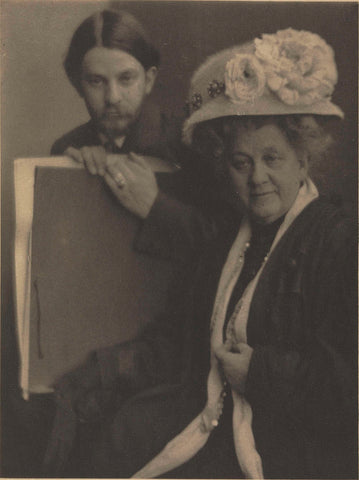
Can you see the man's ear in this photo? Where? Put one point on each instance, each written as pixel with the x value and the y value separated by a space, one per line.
pixel 151 75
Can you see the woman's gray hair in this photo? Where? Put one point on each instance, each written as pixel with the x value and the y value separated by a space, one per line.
pixel 212 139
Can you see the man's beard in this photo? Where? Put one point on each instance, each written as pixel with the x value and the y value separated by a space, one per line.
pixel 116 122
pixel 115 125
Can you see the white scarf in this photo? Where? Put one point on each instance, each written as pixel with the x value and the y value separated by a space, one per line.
pixel 186 444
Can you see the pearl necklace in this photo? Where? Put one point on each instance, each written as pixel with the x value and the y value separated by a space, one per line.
pixel 211 416
pixel 238 266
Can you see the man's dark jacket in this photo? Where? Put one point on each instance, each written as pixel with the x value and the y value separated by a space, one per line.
pixel 182 212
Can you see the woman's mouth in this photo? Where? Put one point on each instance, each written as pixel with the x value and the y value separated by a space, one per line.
pixel 261 194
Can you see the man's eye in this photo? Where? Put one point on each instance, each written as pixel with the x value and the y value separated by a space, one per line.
pixel 241 164
pixel 127 79
pixel 95 81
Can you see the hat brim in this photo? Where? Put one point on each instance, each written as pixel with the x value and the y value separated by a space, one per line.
pixel 264 105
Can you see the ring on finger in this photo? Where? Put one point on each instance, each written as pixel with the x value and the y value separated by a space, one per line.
pixel 120 180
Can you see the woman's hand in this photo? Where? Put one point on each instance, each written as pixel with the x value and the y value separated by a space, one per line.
pixel 133 183
pixel 235 363
pixel 129 177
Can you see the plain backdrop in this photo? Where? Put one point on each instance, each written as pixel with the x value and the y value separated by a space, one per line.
pixel 39 104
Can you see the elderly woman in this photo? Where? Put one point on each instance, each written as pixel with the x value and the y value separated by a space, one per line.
pixel 253 373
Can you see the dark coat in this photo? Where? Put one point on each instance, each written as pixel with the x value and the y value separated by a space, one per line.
pixel 302 380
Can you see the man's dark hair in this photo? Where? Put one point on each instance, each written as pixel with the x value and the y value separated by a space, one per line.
pixel 110 29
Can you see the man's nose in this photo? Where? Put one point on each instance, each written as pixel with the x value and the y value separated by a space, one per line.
pixel 259 173
pixel 113 93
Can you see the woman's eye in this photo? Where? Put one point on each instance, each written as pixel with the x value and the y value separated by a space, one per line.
pixel 241 164
pixel 272 159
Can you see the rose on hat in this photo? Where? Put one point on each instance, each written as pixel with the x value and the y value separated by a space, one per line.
pixel 289 72
pixel 299 66
pixel 244 78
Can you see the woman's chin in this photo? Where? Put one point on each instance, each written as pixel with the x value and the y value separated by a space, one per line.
pixel 264 217
pixel 265 211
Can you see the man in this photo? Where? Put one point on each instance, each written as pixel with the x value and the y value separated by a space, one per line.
pixel 113 67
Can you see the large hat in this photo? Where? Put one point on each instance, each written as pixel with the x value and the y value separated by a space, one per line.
pixel 289 72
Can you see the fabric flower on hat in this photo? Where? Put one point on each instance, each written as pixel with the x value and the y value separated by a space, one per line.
pixel 299 66
pixel 244 78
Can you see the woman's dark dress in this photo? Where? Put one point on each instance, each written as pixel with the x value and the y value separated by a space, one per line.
pixel 302 380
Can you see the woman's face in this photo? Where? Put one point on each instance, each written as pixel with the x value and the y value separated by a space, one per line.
pixel 265 171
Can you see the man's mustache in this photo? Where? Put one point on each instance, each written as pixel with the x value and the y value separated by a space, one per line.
pixel 115 115
pixel 113 112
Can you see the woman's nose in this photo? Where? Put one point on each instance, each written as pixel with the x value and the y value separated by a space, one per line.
pixel 259 173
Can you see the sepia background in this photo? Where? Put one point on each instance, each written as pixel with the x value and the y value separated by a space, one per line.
pixel 39 105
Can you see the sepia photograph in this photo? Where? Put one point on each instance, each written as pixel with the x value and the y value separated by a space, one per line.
pixel 179 271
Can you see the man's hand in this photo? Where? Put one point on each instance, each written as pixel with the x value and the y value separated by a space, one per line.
pixel 61 442
pixel 74 391
pixel 129 177
pixel 235 363
pixel 133 183
pixel 94 158
pixel 78 397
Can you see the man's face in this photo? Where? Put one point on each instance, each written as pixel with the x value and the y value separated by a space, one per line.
pixel 114 85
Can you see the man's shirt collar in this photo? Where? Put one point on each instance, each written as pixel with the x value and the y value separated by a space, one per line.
pixel 118 141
